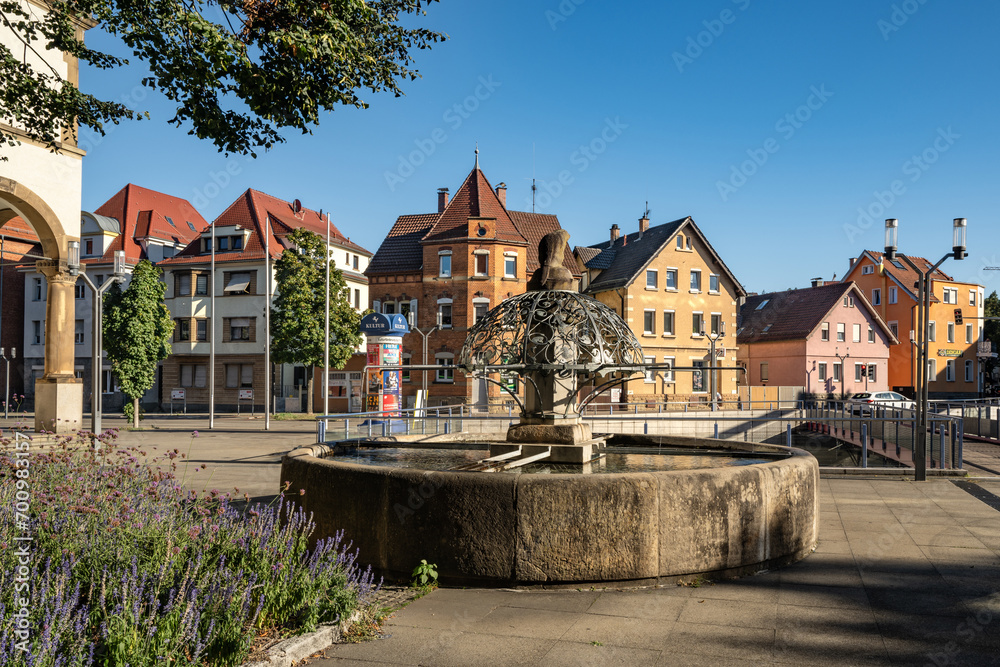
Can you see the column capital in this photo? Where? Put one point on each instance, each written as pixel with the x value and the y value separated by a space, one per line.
pixel 55 271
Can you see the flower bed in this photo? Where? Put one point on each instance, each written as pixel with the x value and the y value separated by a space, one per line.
pixel 126 567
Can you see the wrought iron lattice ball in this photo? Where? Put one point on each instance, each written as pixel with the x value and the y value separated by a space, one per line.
pixel 551 330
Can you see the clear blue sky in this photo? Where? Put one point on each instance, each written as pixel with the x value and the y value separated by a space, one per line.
pixel 829 102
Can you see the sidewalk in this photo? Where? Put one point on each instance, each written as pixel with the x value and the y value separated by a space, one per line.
pixel 905 574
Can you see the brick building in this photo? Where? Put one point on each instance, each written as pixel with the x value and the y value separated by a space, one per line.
pixel 671 287
pixel 240 303
pixel 954 370
pixel 17 239
pixel 448 269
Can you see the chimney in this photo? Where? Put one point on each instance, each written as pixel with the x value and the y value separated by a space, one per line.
pixel 442 199
pixel 502 194
pixel 643 223
pixel 817 282
pixel 615 233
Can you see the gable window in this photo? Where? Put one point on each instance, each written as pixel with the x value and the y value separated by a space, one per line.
pixel 680 242
pixel 876 297
pixel 444 264
pixel 856 333
pixel 672 279
pixel 713 283
pixel 510 265
pixel 355 262
pixel 867 269
pixel 208 245
pixel 695 280
pixel 651 278
pixel 668 323
pixel 482 263
pixel 649 322
pixel 871 334
pixel 841 332
pixel 893 295
pixel 824 331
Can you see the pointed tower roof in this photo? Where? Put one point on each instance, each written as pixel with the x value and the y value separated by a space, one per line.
pixel 474 199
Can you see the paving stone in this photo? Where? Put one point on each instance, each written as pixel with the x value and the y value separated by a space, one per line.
pixel 520 622
pixel 743 643
pixel 620 631
pixel 575 653
pixel 728 612
pixel 563 600
pixel 659 605
pixel 833 597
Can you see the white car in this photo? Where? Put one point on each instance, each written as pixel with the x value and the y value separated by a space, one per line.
pixel 866 403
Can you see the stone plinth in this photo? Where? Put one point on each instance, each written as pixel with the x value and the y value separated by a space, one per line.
pixel 59 405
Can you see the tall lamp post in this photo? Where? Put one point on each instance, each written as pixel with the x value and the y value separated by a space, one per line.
pixel 924 291
pixel 843 370
pixel 6 391
pixel 425 336
pixel 117 276
pixel 713 339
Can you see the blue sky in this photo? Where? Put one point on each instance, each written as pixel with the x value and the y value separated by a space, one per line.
pixel 788 130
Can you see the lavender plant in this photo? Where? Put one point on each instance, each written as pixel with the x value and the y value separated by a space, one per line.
pixel 128 568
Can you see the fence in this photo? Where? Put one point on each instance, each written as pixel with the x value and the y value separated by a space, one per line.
pixel 886 432
pixel 980 417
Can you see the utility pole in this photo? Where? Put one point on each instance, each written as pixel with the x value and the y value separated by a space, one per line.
pixel 425 336
pixel 211 333
pixel 713 338
pixel 268 386
pixel 843 369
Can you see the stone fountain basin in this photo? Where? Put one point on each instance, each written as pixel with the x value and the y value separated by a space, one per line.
pixel 493 529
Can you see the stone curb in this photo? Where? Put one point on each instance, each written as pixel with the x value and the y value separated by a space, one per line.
pixel 291 651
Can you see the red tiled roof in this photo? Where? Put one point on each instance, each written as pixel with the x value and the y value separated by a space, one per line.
pixel 905 276
pixel 17 228
pixel 533 226
pixel 252 210
pixel 400 251
pixel 474 199
pixel 143 213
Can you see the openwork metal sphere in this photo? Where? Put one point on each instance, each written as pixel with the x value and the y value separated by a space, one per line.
pixel 551 330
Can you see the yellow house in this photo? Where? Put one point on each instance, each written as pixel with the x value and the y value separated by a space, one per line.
pixel 676 294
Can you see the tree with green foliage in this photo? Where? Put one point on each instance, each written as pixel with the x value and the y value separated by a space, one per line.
pixel 238 71
pixel 137 332
pixel 991 332
pixel 298 313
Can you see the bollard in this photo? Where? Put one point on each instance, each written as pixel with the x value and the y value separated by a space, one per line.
pixel 716 432
pixel 960 462
pixel 942 450
pixel 645 427
pixel 788 434
pixel 321 428
pixel 347 428
pixel 864 445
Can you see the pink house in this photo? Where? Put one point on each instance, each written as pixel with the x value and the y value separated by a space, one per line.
pixel 827 339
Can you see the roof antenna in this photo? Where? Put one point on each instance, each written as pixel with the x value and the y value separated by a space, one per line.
pixel 534 188
pixel 647 211
pixel 477 155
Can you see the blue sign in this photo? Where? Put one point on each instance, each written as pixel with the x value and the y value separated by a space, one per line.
pixel 378 324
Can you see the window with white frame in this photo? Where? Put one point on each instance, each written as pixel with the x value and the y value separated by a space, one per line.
pixel 821 370
pixel 444 313
pixel 969 336
pixel 668 323
pixel 480 307
pixel 651 278
pixel 951 332
pixel 695 280
pixel 893 294
pixel 37 332
pixel 194 375
pixel 867 269
pixel 446 367
pixel 109 382
pixel 680 242
pixel 841 332
pixel 877 297
pixel 649 322
pixel 78 332
pixel 697 324
pixel 482 259
pixel 510 264
pixel 650 374
pixel 858 377
pixel 856 333
pixel 713 283
pixel 668 375
pixel 715 323
pixel 894 328
pixel 239 329
pixel 871 334
pixel 201 284
pixel 239 376
pixel 824 331
pixel 444 264
pixel 837 367
pixel 932 369
pixel 932 331
pixel 388 307
pixel 969 371
pixel 972 297
pixel 949 371
pixel 37 289
pixel 79 290
pixel 183 284
pixel 765 371
pixel 671 283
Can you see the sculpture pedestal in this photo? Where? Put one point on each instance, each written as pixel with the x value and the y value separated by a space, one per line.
pixel 58 405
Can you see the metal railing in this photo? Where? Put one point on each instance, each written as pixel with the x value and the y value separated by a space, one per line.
pixel 886 432
pixel 980 416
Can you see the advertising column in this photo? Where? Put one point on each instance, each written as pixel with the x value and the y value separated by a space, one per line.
pixel 382 386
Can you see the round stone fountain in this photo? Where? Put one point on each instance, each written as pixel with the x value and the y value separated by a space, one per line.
pixel 492 519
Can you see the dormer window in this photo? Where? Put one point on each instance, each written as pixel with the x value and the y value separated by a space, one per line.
pixel 170 221
pixel 237 243
pixel 762 304
pixel 191 226
pixel 223 243
pixel 88 248
pixel 208 245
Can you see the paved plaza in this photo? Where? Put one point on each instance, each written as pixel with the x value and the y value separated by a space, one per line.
pixel 905 574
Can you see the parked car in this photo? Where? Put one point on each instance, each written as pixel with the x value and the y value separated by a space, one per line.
pixel 865 403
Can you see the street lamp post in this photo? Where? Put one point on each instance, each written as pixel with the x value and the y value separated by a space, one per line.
pixel 843 370
pixel 924 291
pixel 117 276
pixel 6 391
pixel 713 339
pixel 425 336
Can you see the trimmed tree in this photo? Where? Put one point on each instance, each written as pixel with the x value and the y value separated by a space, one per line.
pixel 297 316
pixel 137 332
pixel 238 72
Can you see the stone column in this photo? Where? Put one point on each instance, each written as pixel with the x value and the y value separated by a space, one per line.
pixel 59 393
